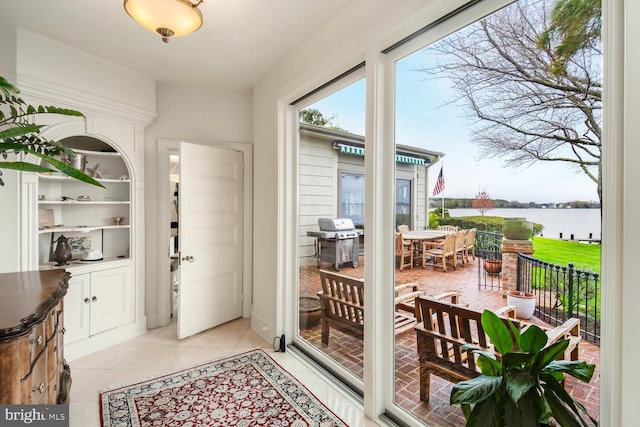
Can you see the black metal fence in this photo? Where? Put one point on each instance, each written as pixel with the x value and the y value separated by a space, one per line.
pixel 488 247
pixel 562 292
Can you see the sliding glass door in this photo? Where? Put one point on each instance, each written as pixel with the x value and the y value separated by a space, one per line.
pixel 331 203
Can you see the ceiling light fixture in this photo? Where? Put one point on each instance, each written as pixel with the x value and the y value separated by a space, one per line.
pixel 169 18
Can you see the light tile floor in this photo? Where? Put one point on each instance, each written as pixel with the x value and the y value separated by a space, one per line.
pixel 159 351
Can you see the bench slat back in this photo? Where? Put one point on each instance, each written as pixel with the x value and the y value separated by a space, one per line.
pixel 453 326
pixel 342 297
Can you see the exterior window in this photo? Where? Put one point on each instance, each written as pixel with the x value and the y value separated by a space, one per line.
pixel 403 202
pixel 352 197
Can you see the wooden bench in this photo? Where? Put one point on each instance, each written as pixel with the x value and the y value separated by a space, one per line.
pixel 440 341
pixel 342 303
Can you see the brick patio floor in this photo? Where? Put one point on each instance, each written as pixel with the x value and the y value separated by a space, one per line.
pixel 348 350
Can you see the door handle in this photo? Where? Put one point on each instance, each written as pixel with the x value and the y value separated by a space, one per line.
pixel 188 258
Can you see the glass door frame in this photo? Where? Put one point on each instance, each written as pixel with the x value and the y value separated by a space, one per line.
pixel 351 381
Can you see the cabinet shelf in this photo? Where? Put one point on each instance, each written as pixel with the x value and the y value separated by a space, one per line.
pixel 90 202
pixel 80 229
pixel 60 177
pixel 88 223
pixel 97 153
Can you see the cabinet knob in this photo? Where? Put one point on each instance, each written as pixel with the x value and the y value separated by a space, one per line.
pixel 40 388
pixel 37 341
pixel 188 258
pixel 94 299
pixel 87 300
pixel 63 330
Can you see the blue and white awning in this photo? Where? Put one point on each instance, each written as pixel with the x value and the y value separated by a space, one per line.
pixel 400 158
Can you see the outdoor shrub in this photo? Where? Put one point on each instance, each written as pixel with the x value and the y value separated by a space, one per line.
pixel 491 224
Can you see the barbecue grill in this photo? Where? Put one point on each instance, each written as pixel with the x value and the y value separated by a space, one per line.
pixel 337 242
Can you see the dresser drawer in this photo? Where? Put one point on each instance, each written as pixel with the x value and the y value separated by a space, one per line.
pixel 51 322
pixel 37 341
pixel 52 357
pixel 36 382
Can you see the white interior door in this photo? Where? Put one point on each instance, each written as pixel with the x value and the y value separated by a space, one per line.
pixel 210 233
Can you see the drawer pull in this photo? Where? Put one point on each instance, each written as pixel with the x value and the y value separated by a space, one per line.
pixel 38 341
pixel 40 388
pixel 63 330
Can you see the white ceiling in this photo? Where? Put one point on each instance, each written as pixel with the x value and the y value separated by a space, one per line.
pixel 238 43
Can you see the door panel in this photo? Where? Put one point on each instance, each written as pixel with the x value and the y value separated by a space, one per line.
pixel 211 214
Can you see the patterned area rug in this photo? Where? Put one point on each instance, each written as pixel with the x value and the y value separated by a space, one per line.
pixel 248 389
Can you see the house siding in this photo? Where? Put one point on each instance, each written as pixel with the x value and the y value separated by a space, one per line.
pixel 320 166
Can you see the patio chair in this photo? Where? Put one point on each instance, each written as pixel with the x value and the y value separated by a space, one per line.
pixel 404 252
pixel 342 303
pixel 470 244
pixel 403 228
pixel 461 246
pixel 407 314
pixel 440 342
pixel 439 256
pixel 448 228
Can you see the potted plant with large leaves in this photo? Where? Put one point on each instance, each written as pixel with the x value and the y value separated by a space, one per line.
pixel 522 386
pixel 18 134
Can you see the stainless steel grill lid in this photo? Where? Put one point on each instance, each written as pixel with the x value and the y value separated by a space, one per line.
pixel 335 224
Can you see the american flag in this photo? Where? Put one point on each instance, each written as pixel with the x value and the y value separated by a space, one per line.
pixel 439 184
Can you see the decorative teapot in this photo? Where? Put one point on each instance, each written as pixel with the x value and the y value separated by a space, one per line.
pixel 62 253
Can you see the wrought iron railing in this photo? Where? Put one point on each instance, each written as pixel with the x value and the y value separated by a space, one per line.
pixel 488 247
pixel 562 292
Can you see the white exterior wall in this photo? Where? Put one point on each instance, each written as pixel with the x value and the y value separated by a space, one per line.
pixel 318 190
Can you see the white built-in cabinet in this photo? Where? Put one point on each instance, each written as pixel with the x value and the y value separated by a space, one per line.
pixel 97 302
pixel 100 305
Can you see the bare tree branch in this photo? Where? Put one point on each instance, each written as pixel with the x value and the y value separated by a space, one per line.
pixel 524 110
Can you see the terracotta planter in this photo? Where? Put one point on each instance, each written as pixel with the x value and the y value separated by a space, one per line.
pixel 493 266
pixel 525 303
pixel 310 312
pixel 517 229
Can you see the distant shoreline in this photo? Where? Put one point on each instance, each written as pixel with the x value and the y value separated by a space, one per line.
pixel 582 223
pixel 463 203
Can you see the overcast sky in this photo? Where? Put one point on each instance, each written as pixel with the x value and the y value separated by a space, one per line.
pixel 424 120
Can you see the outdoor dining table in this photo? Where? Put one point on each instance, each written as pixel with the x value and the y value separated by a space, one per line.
pixel 424 235
pixel 418 236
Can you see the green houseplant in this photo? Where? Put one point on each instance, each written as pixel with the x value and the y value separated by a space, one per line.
pixel 18 134
pixel 521 387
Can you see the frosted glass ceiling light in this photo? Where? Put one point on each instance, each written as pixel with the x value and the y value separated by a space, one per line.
pixel 166 17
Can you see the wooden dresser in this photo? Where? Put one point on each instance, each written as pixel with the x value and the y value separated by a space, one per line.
pixel 32 365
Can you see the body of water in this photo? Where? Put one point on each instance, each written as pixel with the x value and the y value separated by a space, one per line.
pixel 579 222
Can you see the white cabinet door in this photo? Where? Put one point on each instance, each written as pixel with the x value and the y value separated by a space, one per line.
pixel 111 299
pixel 77 304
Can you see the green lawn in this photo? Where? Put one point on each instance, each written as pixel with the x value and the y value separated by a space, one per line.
pixel 584 256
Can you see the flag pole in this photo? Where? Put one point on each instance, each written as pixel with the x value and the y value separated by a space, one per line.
pixel 442 169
